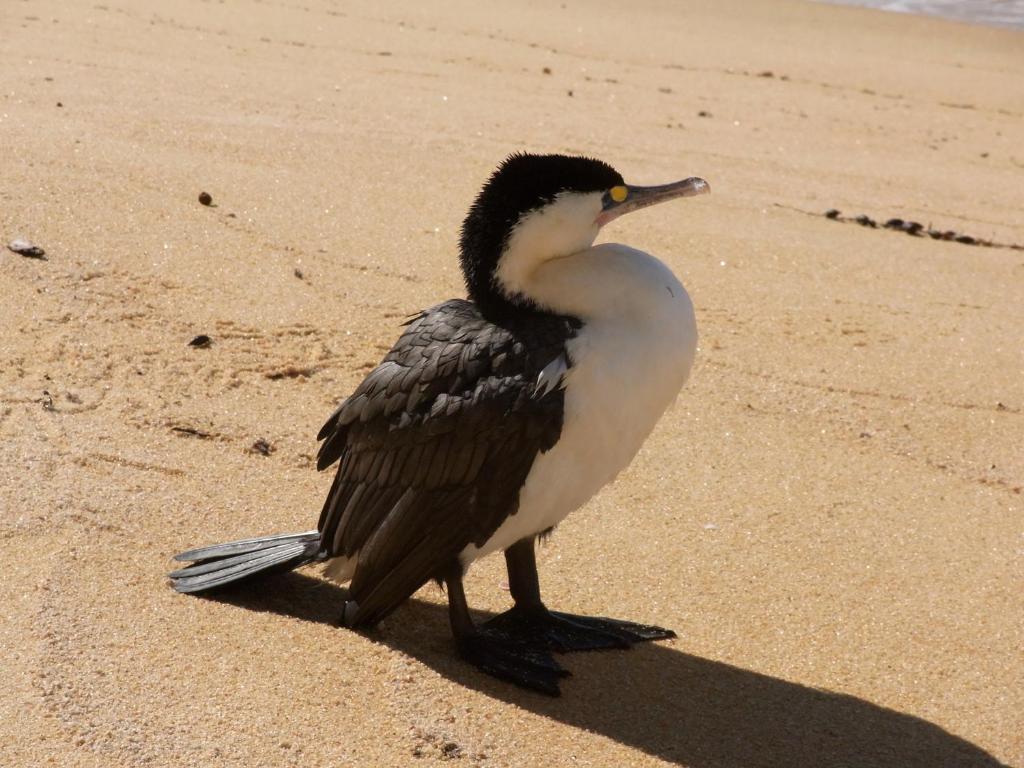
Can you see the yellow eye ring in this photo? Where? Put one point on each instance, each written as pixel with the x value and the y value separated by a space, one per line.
pixel 618 194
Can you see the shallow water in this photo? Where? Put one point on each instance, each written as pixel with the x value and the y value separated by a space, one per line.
pixel 1003 13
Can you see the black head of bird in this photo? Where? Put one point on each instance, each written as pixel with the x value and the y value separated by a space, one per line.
pixel 540 207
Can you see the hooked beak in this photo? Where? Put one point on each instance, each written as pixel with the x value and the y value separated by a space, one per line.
pixel 627 198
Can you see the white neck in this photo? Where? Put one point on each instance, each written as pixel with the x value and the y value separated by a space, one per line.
pixel 564 227
pixel 550 259
pixel 606 280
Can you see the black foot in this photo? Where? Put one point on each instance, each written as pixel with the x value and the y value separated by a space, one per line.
pixel 563 632
pixel 526 666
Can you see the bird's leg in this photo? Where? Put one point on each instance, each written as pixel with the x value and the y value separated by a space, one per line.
pixel 529 622
pixel 526 666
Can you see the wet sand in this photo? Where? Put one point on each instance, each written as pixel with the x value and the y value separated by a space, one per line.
pixel 830 517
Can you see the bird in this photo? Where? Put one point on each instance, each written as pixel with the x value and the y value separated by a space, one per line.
pixel 495 416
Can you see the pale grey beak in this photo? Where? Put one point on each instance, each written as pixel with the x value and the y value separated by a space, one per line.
pixel 627 198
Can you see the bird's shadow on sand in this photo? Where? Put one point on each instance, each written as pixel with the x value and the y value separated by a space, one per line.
pixel 670 704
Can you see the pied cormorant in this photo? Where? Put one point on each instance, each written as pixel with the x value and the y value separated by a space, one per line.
pixel 493 418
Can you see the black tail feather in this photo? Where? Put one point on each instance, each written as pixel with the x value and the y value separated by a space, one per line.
pixel 237 560
pixel 244 545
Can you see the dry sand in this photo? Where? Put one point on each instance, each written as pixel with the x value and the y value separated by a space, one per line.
pixel 830 517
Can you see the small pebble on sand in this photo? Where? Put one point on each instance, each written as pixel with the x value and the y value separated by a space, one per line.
pixel 27 249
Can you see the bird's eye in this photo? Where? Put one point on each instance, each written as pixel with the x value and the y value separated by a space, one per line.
pixel 618 194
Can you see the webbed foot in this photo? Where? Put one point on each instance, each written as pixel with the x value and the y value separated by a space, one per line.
pixel 564 632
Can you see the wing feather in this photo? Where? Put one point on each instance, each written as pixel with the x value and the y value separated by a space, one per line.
pixel 434 445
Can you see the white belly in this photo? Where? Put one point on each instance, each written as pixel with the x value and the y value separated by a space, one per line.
pixel 627 368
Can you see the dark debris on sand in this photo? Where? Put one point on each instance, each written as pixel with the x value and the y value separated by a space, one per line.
pixel 26 249
pixel 192 432
pixel 907 227
pixel 262 447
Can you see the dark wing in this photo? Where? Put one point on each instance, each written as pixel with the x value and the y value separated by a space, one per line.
pixel 434 446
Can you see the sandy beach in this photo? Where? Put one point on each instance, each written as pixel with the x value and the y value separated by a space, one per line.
pixel 830 517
